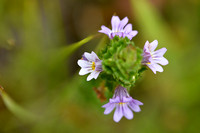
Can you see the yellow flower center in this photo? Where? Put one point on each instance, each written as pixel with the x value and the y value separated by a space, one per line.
pixel 93 66
pixel 121 103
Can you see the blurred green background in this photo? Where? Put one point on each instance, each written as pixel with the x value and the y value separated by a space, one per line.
pixel 43 92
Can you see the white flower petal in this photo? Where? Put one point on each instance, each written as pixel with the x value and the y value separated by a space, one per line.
pixel 105 30
pixel 127 112
pixel 123 22
pixel 153 45
pixel 106 105
pixel 160 52
pixel 158 67
pixel 134 107
pixel 91 76
pixel 137 102
pixel 115 100
pixel 84 71
pixel 152 68
pixel 146 46
pixel 109 108
pixel 84 64
pixel 96 74
pixel 115 23
pixel 94 56
pixel 155 67
pixel 128 28
pixel 162 60
pixel 88 56
pixel 133 33
pixel 118 113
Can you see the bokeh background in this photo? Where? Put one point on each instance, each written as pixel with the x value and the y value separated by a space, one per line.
pixel 43 92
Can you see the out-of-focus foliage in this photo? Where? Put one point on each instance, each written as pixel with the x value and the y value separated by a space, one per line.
pixel 16 109
pixel 43 92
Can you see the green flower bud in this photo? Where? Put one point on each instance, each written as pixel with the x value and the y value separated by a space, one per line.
pixel 121 62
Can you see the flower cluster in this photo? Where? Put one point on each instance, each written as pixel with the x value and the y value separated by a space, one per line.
pixel 122 101
pixel 90 63
pixel 119 28
pixel 120 64
pixel 153 58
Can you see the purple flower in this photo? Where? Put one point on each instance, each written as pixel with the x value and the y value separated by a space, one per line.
pixel 153 58
pixel 118 28
pixel 123 103
pixel 90 63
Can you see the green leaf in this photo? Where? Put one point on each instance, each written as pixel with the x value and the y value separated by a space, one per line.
pixel 16 109
pixel 57 61
pixel 64 52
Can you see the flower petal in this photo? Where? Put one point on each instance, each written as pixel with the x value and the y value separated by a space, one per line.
pixel 163 61
pixel 118 113
pixel 123 22
pixel 155 67
pixel 127 112
pixel 160 52
pixel 129 36
pixel 84 63
pixel 128 28
pixel 127 99
pixel 106 105
pixel 105 30
pixel 146 47
pixel 120 34
pixel 151 66
pixel 98 66
pixel 115 23
pixel 96 74
pixel 158 68
pixel 133 33
pixel 137 102
pixel 153 45
pixel 94 56
pixel 109 108
pixel 114 100
pixel 84 71
pixel 134 107
pixel 91 76
pixel 88 56
pixel 84 58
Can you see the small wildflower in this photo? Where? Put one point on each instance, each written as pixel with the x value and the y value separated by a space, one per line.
pixel 153 58
pixel 90 63
pixel 118 28
pixel 123 103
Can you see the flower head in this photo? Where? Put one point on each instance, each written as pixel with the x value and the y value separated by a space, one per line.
pixel 90 63
pixel 153 58
pixel 118 28
pixel 123 103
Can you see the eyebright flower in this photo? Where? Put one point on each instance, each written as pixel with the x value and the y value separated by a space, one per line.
pixel 118 28
pixel 90 63
pixel 123 103
pixel 153 58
